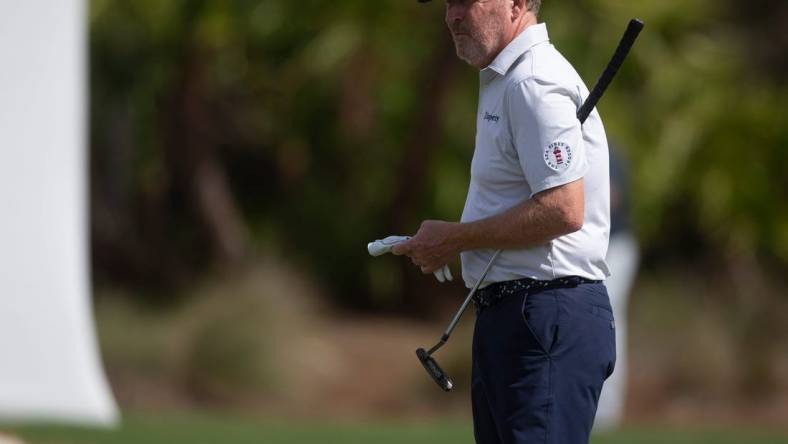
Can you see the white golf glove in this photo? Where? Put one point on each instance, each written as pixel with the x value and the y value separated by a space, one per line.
pixel 383 246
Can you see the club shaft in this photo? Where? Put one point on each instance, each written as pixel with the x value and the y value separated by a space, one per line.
pixel 468 299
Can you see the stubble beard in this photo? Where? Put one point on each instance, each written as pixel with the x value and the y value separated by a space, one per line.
pixel 475 46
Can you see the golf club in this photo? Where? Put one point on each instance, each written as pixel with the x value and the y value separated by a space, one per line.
pixel 631 34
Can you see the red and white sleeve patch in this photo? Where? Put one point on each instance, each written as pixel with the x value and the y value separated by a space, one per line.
pixel 558 156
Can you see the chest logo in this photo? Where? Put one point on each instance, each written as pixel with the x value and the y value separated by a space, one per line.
pixel 558 156
pixel 491 117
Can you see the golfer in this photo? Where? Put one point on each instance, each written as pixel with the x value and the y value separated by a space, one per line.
pixel 544 339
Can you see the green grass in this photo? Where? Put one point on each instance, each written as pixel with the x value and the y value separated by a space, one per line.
pixel 205 429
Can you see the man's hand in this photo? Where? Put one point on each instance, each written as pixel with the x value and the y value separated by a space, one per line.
pixel 433 246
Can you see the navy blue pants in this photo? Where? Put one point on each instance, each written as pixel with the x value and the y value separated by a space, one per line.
pixel 539 361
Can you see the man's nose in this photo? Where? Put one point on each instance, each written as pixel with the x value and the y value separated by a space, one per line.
pixel 455 12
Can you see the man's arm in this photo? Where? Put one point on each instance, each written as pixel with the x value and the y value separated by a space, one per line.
pixel 548 215
pixel 546 119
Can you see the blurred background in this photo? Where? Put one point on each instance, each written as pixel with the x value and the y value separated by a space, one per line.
pixel 242 154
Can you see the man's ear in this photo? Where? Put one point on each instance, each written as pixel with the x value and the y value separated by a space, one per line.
pixel 518 8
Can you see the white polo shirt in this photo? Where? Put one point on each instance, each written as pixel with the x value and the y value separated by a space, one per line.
pixel 528 139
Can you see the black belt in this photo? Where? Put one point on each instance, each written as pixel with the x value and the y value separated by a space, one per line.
pixel 494 293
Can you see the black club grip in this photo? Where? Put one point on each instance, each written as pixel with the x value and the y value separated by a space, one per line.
pixel 631 34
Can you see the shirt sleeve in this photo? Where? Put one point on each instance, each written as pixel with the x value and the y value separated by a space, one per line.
pixel 546 134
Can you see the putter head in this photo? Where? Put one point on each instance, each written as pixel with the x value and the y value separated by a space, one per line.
pixel 434 370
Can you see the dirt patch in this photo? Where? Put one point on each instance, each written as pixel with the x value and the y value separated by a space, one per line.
pixel 8 439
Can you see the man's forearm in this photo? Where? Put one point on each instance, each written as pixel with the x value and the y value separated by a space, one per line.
pixel 533 222
pixel 546 216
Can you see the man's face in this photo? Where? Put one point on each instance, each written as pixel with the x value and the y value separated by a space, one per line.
pixel 477 27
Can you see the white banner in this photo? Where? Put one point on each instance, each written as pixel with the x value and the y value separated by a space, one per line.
pixel 49 361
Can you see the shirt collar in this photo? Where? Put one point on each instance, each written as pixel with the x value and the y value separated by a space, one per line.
pixel 532 36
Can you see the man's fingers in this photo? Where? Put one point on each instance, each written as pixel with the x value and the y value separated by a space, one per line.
pixel 401 248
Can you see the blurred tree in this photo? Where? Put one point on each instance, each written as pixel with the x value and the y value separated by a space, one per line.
pixel 223 128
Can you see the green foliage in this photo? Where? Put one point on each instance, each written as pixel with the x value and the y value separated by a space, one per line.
pixel 229 352
pixel 314 113
pixel 699 119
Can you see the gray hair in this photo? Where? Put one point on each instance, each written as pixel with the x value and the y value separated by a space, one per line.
pixel 533 6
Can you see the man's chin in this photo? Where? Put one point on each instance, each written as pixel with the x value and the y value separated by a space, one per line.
pixel 468 57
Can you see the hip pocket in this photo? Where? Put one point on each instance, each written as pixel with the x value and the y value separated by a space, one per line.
pixel 540 316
